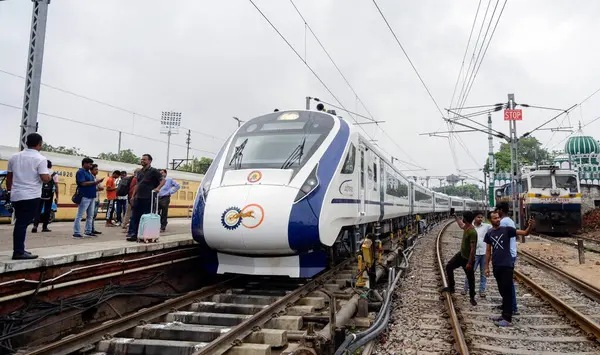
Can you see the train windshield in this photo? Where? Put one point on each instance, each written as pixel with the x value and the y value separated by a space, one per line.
pixel 541 182
pixel 281 140
pixel 566 182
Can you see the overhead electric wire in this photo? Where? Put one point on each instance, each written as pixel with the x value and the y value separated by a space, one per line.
pixel 311 69
pixel 371 118
pixel 408 58
pixel 462 65
pixel 108 129
pixel 108 104
pixel 332 61
pixel 471 79
pixel 471 65
pixel 485 51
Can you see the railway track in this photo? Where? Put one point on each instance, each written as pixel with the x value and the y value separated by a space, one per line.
pixel 589 244
pixel 554 318
pixel 243 315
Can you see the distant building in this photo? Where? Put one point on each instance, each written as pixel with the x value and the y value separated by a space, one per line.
pixel 582 153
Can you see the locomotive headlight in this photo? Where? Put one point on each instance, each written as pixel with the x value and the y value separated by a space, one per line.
pixel 311 183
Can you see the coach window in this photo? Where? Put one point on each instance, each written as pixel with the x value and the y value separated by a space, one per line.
pixel 350 160
pixel 375 176
pixel 362 169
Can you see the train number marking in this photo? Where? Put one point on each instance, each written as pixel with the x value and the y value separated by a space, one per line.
pixel 250 217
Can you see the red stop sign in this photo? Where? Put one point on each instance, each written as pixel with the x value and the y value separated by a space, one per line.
pixel 513 115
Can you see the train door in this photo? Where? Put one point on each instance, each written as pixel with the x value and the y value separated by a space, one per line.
pixel 382 185
pixel 362 184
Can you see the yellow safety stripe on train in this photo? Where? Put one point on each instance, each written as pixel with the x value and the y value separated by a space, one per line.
pixel 545 196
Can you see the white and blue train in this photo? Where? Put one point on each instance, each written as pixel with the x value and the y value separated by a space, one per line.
pixel 289 190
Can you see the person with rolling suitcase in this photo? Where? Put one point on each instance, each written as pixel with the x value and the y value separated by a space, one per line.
pixel 149 180
pixel 149 228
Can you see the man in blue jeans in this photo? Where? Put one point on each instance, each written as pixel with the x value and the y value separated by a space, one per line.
pixel 482 229
pixel 86 186
pixel 27 171
pixel 505 221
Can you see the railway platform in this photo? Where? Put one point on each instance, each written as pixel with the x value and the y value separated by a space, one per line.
pixel 58 247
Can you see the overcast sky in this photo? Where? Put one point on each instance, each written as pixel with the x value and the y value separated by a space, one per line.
pixel 212 60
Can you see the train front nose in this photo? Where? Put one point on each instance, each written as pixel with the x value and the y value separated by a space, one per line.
pixel 249 219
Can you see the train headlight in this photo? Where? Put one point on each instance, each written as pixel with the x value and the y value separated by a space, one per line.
pixel 205 186
pixel 311 183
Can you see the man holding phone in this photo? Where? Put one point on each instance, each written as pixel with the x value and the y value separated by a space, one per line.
pixel 86 185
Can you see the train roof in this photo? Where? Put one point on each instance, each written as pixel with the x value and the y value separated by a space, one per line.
pixel 75 162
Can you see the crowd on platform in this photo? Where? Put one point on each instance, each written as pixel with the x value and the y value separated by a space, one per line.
pixel 31 185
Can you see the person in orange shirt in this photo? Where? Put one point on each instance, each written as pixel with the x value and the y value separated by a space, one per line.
pixel 111 196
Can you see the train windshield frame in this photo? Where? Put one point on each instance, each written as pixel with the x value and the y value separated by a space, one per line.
pixel 280 140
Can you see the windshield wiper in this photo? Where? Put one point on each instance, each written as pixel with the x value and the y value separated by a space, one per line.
pixel 238 156
pixel 296 154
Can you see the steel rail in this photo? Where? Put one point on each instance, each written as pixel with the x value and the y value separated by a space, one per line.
pixel 236 335
pixel 572 244
pixel 584 322
pixel 457 332
pixel 587 289
pixel 73 343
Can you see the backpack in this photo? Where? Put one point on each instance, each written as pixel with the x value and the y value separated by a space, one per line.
pixel 123 188
pixel 48 188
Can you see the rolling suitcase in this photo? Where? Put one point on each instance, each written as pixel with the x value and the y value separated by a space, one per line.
pixel 149 229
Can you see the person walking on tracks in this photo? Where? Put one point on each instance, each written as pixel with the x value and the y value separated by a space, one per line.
pixel 87 186
pixel 27 171
pixel 482 229
pixel 48 189
pixel 148 179
pixel 164 198
pixel 465 258
pixel 498 241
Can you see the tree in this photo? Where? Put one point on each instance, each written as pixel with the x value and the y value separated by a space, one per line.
pixel 199 166
pixel 61 149
pixel 125 156
pixel 530 152
pixel 468 190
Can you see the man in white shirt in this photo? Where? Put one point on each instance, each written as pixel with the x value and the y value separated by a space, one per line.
pixel 27 171
pixel 480 261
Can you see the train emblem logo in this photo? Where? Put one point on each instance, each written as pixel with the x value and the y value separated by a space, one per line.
pixel 254 176
pixel 250 217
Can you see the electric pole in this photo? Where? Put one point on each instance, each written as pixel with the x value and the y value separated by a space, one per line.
pixel 514 159
pixel 187 143
pixel 491 163
pixel 33 77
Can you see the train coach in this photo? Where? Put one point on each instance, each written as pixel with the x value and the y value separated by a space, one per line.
pixel 66 167
pixel 291 190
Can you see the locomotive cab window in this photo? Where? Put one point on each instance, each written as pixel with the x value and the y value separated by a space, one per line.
pixel 278 141
pixel 541 182
pixel 565 182
pixel 348 167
